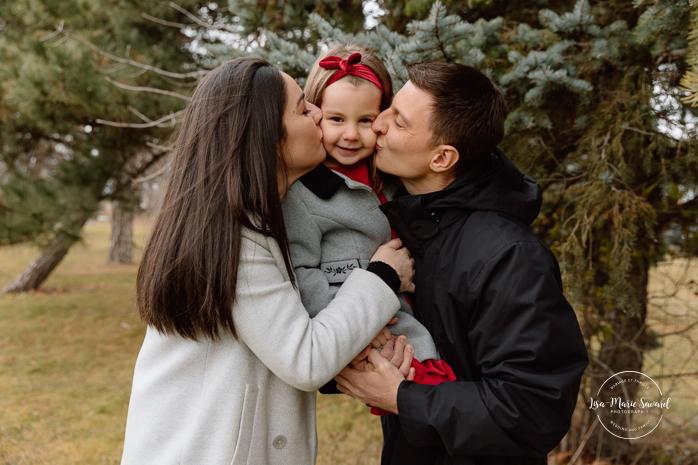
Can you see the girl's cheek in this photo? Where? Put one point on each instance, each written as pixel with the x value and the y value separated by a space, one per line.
pixel 370 137
pixel 328 145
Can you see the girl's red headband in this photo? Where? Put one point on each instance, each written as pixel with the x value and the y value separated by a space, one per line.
pixel 349 66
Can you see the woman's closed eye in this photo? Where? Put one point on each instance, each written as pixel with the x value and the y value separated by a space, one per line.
pixel 399 126
pixel 307 111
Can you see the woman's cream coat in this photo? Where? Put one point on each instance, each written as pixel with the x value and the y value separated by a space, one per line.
pixel 250 401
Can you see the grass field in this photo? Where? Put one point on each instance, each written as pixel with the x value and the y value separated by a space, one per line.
pixel 66 364
pixel 67 355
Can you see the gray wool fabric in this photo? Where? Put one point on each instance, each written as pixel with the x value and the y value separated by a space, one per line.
pixel 329 238
pixel 250 400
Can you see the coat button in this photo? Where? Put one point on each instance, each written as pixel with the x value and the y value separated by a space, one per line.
pixel 279 442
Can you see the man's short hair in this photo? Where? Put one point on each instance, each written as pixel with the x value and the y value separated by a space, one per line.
pixel 468 110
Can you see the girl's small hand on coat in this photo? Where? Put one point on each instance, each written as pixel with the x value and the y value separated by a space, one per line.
pixel 399 258
pixel 383 336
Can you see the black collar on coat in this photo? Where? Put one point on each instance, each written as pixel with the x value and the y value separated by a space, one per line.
pixel 322 181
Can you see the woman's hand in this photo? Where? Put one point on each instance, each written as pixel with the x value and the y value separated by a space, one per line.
pixel 399 258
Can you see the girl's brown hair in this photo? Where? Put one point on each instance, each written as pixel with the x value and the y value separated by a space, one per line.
pixel 224 172
pixel 318 78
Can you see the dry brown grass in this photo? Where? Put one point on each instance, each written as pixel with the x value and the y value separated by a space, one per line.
pixel 67 358
pixel 66 365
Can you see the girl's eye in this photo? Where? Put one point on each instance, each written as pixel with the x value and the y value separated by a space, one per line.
pixel 336 119
pixel 366 120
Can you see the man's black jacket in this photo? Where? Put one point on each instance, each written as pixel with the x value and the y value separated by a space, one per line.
pixel 490 293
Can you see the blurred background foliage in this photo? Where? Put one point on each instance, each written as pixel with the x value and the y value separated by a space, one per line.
pixel 599 97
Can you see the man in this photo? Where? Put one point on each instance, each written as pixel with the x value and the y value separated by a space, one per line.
pixel 489 292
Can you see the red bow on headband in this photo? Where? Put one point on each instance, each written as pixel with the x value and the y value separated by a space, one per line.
pixel 349 66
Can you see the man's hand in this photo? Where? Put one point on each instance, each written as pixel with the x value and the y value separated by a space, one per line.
pixel 375 381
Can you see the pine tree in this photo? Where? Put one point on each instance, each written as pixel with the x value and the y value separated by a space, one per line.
pixel 58 163
pixel 594 115
pixel 593 96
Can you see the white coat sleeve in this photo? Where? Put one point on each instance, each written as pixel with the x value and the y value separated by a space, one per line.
pixel 305 352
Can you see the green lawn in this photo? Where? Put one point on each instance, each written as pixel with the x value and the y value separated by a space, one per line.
pixel 67 356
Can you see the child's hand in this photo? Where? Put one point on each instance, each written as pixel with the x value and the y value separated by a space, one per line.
pixel 400 354
pixel 381 339
pixel 383 336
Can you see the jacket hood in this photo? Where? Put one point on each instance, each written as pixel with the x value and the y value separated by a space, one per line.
pixel 498 187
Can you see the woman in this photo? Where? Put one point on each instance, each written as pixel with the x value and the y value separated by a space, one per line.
pixel 219 386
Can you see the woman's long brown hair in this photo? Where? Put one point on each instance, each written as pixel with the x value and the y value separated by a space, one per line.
pixel 224 172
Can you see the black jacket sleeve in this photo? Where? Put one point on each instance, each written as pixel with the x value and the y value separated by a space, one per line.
pixel 528 348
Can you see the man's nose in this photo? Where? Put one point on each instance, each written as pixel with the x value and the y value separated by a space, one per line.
pixel 379 125
pixel 316 112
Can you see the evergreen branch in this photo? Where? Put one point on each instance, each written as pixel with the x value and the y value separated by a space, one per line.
pixel 674 55
pixel 147 89
pixel 140 125
pixel 164 22
pixel 678 212
pixel 200 22
pixel 438 38
pixel 162 72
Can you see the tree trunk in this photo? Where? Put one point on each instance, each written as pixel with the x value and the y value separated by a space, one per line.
pixel 40 269
pixel 121 248
pixel 624 351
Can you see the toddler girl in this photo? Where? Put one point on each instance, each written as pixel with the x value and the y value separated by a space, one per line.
pixel 332 217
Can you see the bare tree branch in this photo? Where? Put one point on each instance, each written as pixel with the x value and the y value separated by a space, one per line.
pixel 139 114
pixel 147 89
pixel 156 157
pixel 151 176
pixel 162 148
pixel 162 72
pixel 200 22
pixel 140 125
pixel 682 331
pixel 58 30
pixel 164 22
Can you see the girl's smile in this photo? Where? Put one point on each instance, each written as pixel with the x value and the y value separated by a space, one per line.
pixel 348 113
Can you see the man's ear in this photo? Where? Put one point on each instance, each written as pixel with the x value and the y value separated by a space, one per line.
pixel 444 159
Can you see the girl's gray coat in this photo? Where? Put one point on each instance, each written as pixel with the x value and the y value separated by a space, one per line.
pixel 335 226
pixel 251 400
